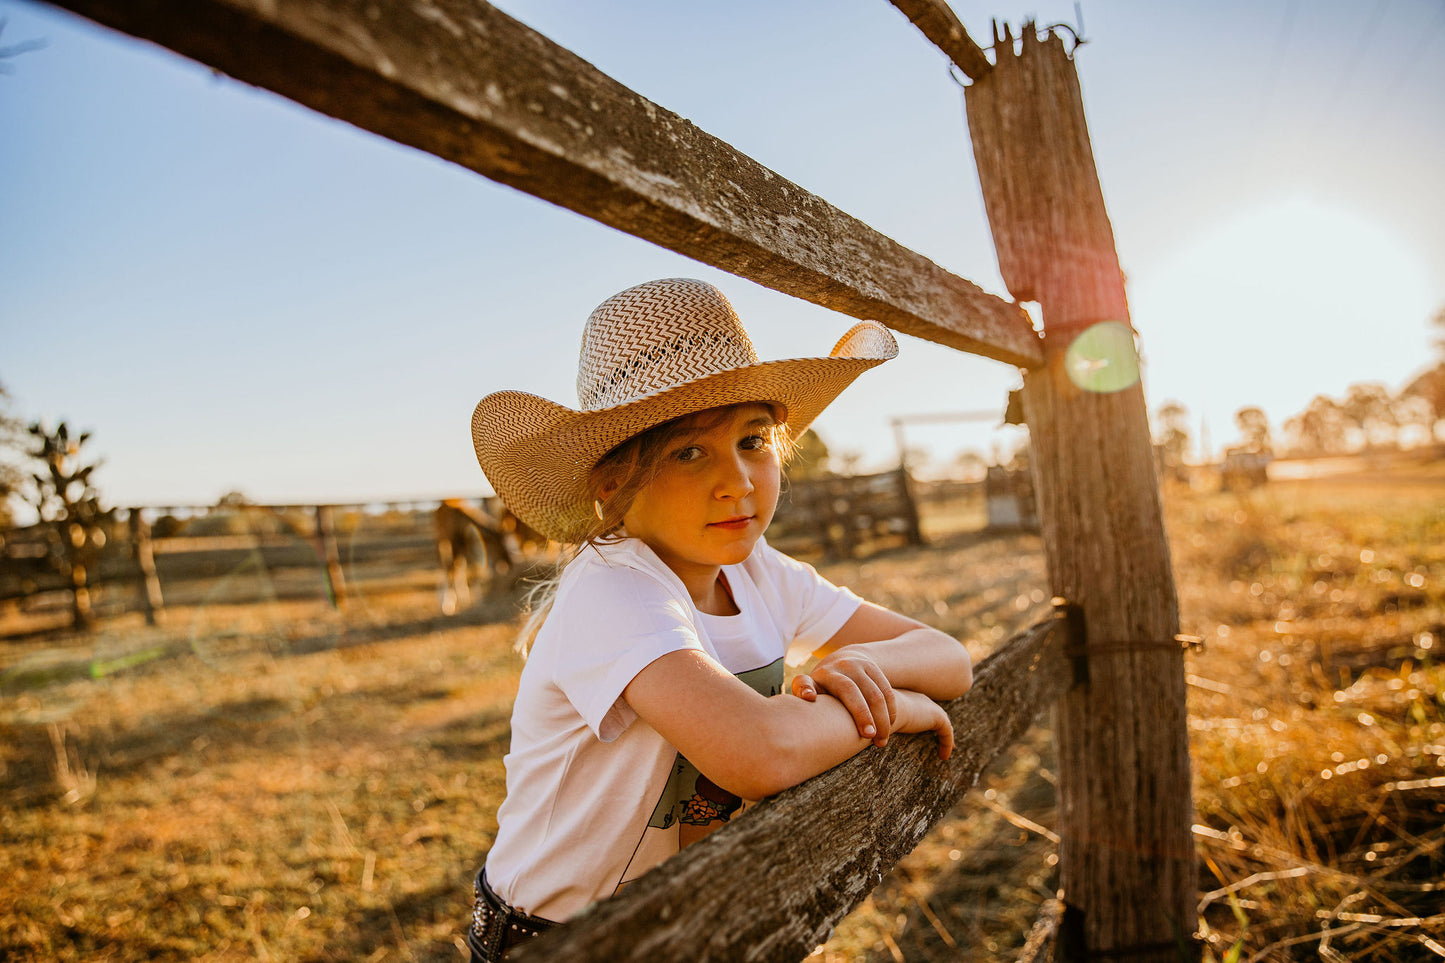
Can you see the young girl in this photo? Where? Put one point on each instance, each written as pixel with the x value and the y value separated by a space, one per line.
pixel 651 707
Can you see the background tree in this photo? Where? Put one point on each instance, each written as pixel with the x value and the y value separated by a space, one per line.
pixel 811 460
pixel 12 454
pixel 1319 429
pixel 1427 391
pixel 63 496
pixel 239 499
pixel 969 465
pixel 1253 426
pixel 1021 458
pixel 227 517
pixel 1368 408
pixel 1171 438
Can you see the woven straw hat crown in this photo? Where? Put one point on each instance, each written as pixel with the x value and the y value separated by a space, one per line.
pixel 650 354
pixel 656 336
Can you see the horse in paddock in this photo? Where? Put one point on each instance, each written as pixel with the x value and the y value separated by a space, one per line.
pixel 456 519
pixel 505 541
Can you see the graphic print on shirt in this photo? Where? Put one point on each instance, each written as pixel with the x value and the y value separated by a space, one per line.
pixel 691 799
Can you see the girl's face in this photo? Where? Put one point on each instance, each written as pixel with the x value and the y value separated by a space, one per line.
pixel 712 497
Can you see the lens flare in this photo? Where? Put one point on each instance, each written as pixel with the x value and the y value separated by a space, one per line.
pixel 1102 358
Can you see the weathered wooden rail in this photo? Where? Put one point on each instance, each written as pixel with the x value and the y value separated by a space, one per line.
pixel 463 81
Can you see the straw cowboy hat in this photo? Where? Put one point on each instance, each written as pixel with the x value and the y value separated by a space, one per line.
pixel 650 354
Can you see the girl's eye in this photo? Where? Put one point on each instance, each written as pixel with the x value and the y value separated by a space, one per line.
pixel 753 443
pixel 690 453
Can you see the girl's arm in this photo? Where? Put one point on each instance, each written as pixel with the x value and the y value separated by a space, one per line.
pixel 751 745
pixel 878 651
pixel 912 655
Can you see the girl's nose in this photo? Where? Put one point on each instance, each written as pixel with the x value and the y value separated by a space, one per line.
pixel 734 480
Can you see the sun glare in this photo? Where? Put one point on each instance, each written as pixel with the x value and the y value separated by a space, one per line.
pixel 1279 304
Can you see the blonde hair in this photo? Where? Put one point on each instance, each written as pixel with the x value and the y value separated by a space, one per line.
pixel 624 472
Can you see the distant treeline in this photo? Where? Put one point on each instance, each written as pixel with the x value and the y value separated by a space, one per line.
pixel 1368 416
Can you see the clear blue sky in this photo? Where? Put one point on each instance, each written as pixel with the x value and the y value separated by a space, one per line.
pixel 233 292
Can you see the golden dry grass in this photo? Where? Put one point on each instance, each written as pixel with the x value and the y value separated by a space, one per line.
pixel 244 801
pixel 283 782
pixel 1318 733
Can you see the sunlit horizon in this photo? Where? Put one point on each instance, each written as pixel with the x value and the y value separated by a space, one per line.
pixel 1287 300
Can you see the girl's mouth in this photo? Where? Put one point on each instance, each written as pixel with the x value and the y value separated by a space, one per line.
pixel 733 524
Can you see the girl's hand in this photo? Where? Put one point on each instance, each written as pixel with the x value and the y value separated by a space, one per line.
pixel 918 713
pixel 852 677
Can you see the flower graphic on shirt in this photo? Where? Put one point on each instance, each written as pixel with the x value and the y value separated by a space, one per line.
pixel 709 804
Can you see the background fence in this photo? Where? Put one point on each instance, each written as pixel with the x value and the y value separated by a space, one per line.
pixel 236 552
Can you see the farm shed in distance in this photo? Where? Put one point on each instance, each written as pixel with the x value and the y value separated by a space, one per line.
pixel 461 80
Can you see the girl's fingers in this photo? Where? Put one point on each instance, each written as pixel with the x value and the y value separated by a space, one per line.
pixel 863 715
pixel 945 738
pixel 943 727
pixel 863 688
pixel 875 708
pixel 846 691
pixel 886 688
pixel 879 699
pixel 804 688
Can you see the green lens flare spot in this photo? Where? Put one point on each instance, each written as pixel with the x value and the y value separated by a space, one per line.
pixel 1102 358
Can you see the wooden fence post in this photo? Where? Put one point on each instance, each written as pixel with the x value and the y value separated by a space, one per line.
pixel 840 510
pixel 910 506
pixel 1126 858
pixel 142 552
pixel 326 543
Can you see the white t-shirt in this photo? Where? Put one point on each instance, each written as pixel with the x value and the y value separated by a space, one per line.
pixel 594 795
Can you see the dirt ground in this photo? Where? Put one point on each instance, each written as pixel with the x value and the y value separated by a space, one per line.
pixel 284 781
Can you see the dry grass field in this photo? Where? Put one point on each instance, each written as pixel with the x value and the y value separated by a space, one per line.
pixel 284 782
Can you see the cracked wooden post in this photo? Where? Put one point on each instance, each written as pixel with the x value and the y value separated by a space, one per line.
pixel 1126 859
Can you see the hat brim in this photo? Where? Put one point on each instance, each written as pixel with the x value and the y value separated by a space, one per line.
pixel 538 454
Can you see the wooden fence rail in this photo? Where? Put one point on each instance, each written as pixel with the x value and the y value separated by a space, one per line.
pixel 772 884
pixel 464 81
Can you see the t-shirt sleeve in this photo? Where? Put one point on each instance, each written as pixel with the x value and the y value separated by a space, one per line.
pixel 812 607
pixel 606 627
